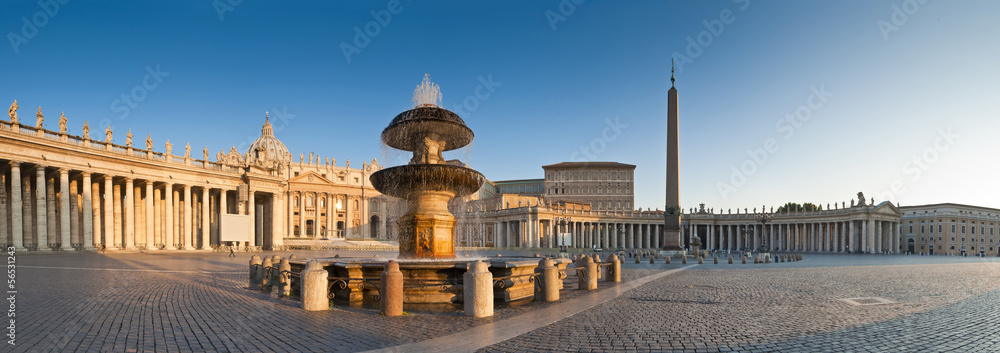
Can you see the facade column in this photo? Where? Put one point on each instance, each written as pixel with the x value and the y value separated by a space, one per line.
pixel 331 217
pixel 40 212
pixel 129 214
pixel 302 215
pixel 149 219
pixel 52 211
pixel 64 230
pixel 169 223
pixel 206 222
pixel 16 206
pixel 291 213
pixel 316 213
pixel 88 212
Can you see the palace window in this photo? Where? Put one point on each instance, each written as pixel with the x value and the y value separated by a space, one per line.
pixel 963 229
pixel 921 229
pixel 911 229
pixel 309 201
pixel 952 228
pixel 973 229
pixel 941 228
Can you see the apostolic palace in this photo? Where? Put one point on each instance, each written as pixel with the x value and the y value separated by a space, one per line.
pixel 67 192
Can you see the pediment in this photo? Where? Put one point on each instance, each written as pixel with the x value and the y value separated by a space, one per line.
pixel 310 178
pixel 887 208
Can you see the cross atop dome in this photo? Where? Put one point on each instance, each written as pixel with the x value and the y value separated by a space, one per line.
pixel 427 94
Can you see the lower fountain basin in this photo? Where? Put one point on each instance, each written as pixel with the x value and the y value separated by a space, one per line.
pixel 401 181
pixel 356 281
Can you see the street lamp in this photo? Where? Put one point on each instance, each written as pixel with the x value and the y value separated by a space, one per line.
pixel 763 217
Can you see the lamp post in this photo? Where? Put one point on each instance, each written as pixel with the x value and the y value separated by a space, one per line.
pixel 763 217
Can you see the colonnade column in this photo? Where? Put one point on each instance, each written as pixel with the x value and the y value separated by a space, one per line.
pixel 16 217
pixel 205 220
pixel 224 209
pixel 252 206
pixel 150 218
pixel 42 229
pixel 64 229
pixel 168 223
pixel 88 213
pixel 186 220
pixel 129 210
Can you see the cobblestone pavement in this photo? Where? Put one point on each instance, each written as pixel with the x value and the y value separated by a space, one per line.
pixel 199 302
pixel 942 305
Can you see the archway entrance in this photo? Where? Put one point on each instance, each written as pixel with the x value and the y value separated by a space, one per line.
pixel 375 225
pixel 910 246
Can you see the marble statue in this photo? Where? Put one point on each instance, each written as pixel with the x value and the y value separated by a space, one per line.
pixel 13 112
pixel 302 158
pixel 107 134
pixel 348 163
pixel 86 130
pixel 187 150
pixel 169 147
pixel 204 153
pixel 149 142
pixel 62 123
pixel 861 199
pixel 128 138
pixel 873 201
pixel 39 118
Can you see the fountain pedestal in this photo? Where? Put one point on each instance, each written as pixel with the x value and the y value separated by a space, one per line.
pixel 426 231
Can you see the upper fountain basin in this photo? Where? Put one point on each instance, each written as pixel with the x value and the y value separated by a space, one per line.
pixel 402 180
pixel 408 128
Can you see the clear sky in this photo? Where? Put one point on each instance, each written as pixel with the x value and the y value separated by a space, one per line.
pixel 897 99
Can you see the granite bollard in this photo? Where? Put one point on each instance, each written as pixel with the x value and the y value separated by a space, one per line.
pixel 315 290
pixel 478 287
pixel 392 292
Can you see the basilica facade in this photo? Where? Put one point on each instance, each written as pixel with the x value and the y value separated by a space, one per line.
pixel 63 192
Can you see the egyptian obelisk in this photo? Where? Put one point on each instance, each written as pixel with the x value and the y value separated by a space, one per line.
pixel 672 213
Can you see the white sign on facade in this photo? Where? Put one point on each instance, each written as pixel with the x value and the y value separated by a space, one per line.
pixel 235 227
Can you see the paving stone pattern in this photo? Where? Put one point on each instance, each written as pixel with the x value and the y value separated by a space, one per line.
pixel 199 302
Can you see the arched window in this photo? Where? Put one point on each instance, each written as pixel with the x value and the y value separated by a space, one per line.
pixel 309 201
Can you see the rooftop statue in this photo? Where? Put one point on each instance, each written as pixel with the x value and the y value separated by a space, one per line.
pixel 149 142
pixel 861 198
pixel 128 138
pixel 62 123
pixel 86 130
pixel 107 134
pixel 13 112
pixel 187 150
pixel 39 118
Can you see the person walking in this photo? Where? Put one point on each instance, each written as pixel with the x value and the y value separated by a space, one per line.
pixel 232 250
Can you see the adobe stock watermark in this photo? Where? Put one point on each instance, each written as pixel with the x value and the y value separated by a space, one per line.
pixel 920 162
pixel 40 19
pixel 482 92
pixel 223 6
pixel 786 126
pixel 565 9
pixel 124 104
pixel 363 37
pixel 713 29
pixel 899 16
pixel 589 152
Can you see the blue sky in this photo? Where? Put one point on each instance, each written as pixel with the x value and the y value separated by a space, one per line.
pixel 892 98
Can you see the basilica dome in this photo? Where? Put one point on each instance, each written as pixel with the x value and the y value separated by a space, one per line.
pixel 268 152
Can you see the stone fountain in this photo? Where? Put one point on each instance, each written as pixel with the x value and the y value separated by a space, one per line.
pixel 432 274
pixel 427 183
